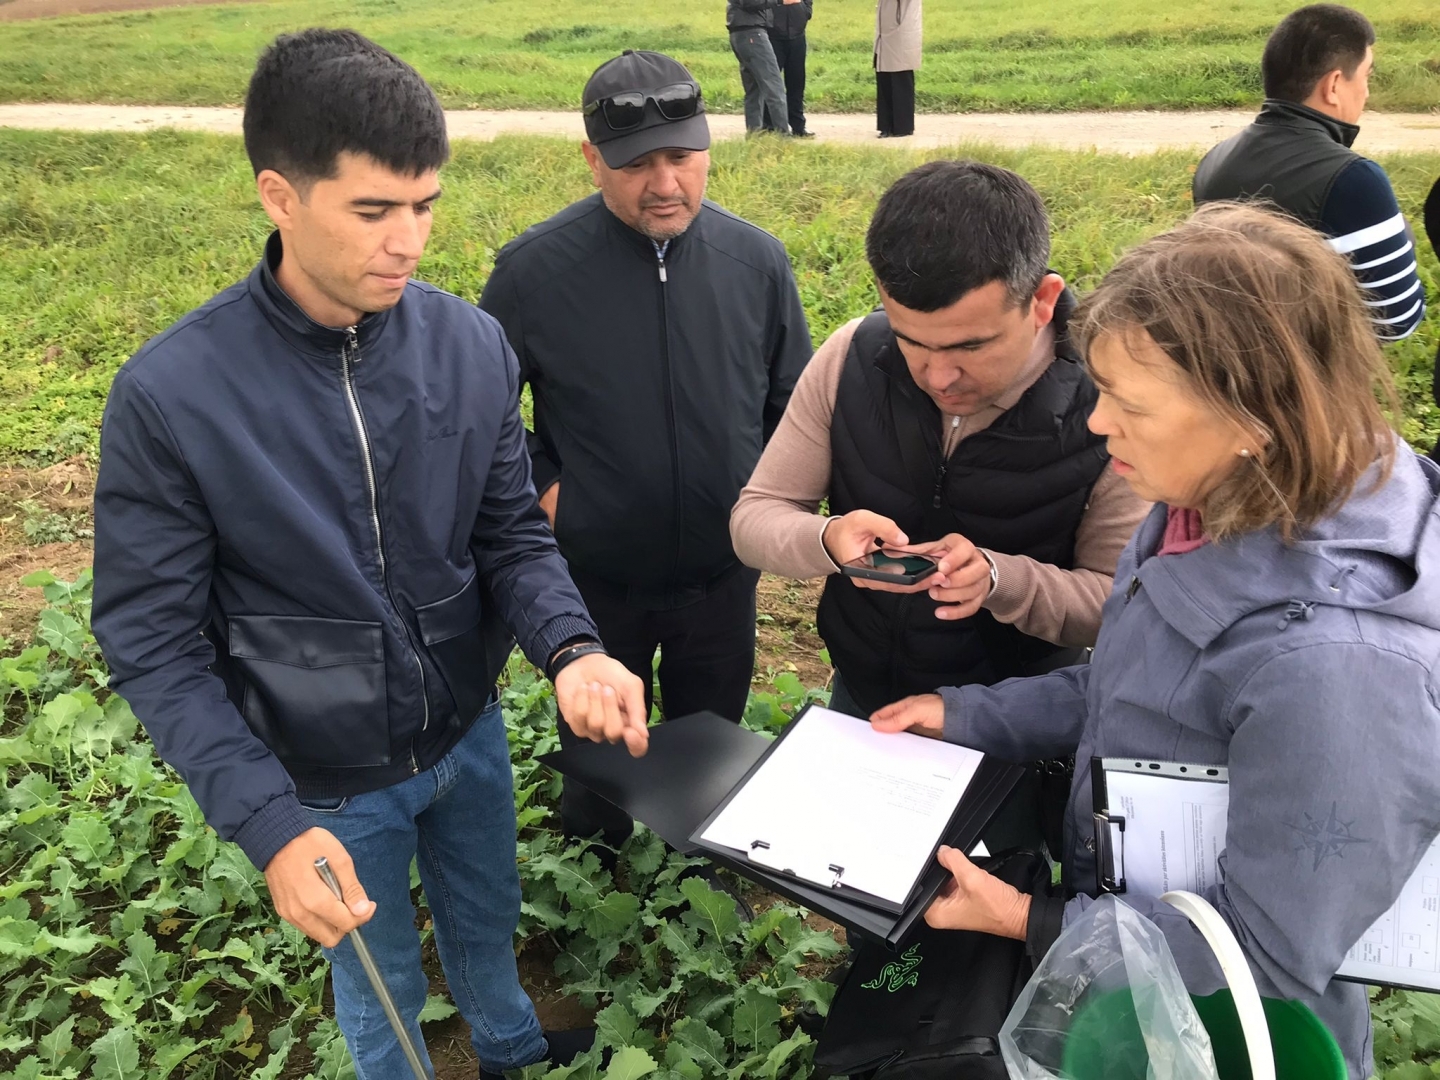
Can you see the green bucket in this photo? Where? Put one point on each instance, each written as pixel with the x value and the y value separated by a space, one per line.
pixel 1253 1038
pixel 1104 1042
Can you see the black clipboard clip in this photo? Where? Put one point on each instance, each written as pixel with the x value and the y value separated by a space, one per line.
pixel 1110 863
pixel 764 854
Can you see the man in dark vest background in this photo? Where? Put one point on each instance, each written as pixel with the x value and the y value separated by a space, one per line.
pixel 952 421
pixel 1316 69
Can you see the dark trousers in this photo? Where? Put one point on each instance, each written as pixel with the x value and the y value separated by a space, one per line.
pixel 895 102
pixel 760 79
pixel 707 655
pixel 790 55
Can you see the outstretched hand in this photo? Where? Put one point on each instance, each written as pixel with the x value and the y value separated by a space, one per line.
pixel 923 714
pixel 604 702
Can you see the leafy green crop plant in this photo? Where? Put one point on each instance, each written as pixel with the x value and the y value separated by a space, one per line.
pixel 137 945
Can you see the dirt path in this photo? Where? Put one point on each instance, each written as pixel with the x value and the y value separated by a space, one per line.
pixel 13 10
pixel 1112 132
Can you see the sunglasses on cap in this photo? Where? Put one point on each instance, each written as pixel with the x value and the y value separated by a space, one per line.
pixel 625 112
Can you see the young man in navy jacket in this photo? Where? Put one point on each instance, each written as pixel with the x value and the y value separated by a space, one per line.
pixel 315 535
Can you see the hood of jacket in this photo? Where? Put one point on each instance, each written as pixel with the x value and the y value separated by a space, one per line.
pixel 1378 552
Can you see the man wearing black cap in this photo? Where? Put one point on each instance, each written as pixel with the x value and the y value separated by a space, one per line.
pixel 661 336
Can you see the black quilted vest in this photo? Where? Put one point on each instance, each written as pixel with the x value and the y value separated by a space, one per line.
pixel 1290 155
pixel 1019 487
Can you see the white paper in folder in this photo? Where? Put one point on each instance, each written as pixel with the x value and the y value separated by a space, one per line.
pixel 1175 831
pixel 838 802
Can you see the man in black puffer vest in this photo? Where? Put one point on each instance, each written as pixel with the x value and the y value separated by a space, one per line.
pixel 1296 155
pixel 951 422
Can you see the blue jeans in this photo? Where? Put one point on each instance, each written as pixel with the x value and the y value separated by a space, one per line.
pixel 458 818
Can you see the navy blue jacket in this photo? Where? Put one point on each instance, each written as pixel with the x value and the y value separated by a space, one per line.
pixel 657 382
pixel 311 546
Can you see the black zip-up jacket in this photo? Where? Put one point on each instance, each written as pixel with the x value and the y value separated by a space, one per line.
pixel 310 543
pixel 789 20
pixel 750 14
pixel 657 382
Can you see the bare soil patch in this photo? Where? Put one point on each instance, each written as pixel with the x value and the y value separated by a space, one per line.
pixel 14 10
pixel 54 504
pixel 786 636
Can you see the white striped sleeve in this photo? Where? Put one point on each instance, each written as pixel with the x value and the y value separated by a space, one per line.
pixel 1365 225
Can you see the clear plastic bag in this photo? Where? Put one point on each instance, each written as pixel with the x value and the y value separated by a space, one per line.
pixel 1107 1002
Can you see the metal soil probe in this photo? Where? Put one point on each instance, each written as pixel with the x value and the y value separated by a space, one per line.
pixel 412 1054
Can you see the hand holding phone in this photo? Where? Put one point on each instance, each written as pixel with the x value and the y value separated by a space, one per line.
pixel 969 577
pixel 858 533
pixel 893 567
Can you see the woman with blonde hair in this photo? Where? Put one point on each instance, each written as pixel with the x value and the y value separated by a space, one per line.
pixel 1278 612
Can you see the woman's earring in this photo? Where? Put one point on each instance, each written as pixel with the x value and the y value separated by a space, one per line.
pixel 1244 451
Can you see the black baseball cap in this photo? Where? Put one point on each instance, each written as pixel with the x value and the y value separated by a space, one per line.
pixel 638 71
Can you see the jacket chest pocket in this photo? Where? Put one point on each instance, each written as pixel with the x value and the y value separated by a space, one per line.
pixel 1138 670
pixel 315 690
pixel 453 635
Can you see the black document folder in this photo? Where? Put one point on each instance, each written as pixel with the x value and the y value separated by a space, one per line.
pixel 694 765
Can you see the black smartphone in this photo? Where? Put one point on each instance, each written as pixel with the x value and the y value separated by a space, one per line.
pixel 898 568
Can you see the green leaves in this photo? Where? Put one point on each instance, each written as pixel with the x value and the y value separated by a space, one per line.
pixel 116 1055
pixel 712 911
pixel 146 965
pixel 630 1063
pixel 56 1045
pixel 612 915
pixel 436 1008
pixel 62 633
pixel 756 1021
pixel 137 945
pixel 693 1042
pixel 88 838
pixel 1407 1028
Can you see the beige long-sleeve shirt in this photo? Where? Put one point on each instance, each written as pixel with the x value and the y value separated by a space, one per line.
pixel 776 525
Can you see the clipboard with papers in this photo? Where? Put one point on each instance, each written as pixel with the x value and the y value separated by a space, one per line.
pixel 712 788
pixel 835 804
pixel 1161 826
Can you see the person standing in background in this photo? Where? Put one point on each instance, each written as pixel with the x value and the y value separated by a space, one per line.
pixel 787 38
pixel 1297 155
pixel 661 336
pixel 749 22
pixel 897 58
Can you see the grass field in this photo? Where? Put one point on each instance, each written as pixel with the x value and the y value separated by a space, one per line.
pixel 982 54
pixel 109 238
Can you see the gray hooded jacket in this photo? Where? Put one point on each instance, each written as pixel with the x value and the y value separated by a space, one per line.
pixel 1309 670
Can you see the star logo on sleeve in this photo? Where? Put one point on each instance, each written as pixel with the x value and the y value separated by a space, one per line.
pixel 1324 837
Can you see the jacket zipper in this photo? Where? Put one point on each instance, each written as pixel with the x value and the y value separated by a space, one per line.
pixel 670 407
pixel 944 467
pixel 350 354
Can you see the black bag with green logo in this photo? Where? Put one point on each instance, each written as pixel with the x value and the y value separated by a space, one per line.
pixel 932 1008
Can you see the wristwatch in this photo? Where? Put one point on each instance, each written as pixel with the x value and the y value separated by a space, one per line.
pixel 569 653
